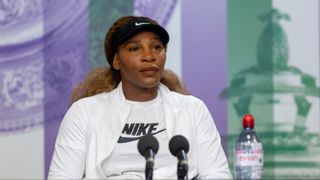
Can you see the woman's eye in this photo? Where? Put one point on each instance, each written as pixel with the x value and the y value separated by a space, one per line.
pixel 158 47
pixel 133 49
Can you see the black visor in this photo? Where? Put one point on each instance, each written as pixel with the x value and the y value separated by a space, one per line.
pixel 135 27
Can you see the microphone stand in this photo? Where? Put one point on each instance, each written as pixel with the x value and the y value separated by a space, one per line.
pixel 149 165
pixel 149 173
pixel 182 172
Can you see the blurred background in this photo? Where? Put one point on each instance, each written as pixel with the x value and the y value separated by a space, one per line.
pixel 258 57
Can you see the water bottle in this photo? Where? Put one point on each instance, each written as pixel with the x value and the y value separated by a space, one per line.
pixel 248 152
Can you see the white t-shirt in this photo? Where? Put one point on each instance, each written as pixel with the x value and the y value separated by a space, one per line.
pixel 125 161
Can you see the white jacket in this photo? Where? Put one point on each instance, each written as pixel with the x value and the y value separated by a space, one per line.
pixel 92 125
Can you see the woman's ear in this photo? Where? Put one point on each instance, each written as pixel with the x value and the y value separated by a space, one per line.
pixel 115 62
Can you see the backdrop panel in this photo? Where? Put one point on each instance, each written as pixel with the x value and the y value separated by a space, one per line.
pixel 238 57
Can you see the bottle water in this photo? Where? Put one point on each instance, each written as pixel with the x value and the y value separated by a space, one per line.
pixel 248 152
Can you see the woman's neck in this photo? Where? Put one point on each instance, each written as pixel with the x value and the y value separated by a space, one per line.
pixel 140 94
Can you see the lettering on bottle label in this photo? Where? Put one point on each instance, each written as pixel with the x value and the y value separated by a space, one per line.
pixel 250 156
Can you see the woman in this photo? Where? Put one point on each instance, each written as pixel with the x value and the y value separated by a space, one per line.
pixel 116 106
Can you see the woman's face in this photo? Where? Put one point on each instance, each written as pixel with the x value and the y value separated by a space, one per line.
pixel 141 61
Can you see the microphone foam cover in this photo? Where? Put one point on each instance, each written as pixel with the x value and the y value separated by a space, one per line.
pixel 148 142
pixel 177 143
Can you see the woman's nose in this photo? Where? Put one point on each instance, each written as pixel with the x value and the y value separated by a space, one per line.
pixel 148 55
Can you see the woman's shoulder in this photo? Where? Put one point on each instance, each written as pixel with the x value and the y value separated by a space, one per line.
pixel 185 98
pixel 177 97
pixel 86 109
pixel 96 100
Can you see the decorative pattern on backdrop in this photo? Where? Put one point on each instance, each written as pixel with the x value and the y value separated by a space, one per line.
pixel 65 52
pixel 46 48
pixel 101 16
pixel 269 79
pixel 21 66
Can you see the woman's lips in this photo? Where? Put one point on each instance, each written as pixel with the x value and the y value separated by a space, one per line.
pixel 153 68
pixel 150 70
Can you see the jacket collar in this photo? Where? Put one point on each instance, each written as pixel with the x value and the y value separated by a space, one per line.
pixel 108 129
pixel 171 109
pixel 117 112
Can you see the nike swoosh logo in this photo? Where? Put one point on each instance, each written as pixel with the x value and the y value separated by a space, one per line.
pixel 139 24
pixel 129 139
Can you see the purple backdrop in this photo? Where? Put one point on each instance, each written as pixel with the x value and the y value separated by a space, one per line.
pixel 204 58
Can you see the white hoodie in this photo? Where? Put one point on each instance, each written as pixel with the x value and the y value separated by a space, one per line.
pixel 92 125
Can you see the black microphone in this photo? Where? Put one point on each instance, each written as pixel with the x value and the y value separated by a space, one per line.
pixel 179 147
pixel 148 147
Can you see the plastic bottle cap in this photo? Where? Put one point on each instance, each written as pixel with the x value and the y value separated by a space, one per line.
pixel 248 121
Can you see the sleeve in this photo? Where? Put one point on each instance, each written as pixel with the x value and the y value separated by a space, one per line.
pixel 212 160
pixel 68 161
